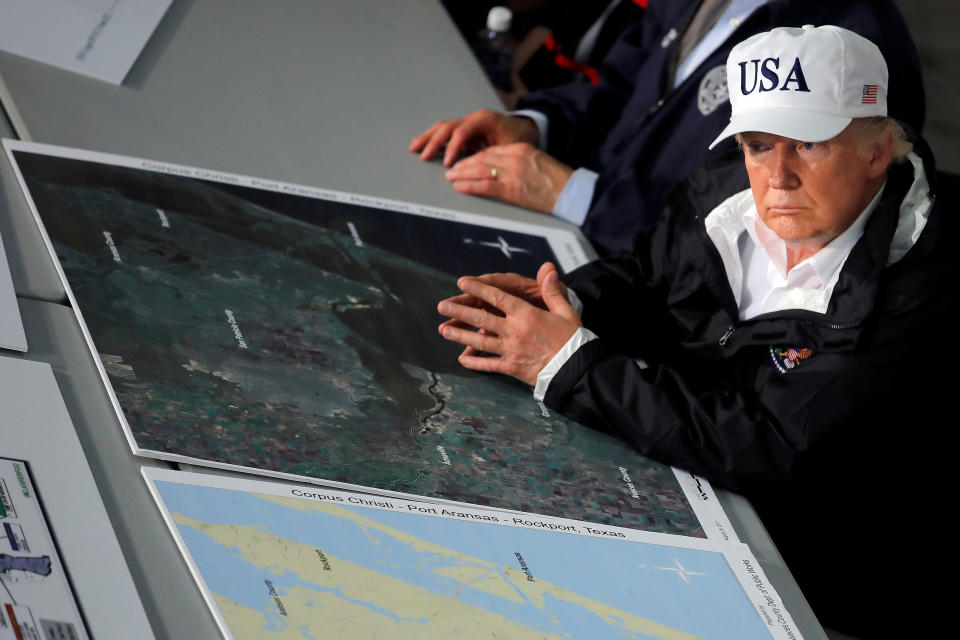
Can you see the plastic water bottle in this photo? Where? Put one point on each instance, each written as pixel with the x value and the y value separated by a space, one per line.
pixel 495 46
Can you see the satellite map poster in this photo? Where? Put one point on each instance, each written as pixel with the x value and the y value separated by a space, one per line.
pixel 283 330
pixel 36 600
pixel 275 560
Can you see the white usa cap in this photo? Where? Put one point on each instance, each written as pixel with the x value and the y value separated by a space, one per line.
pixel 806 84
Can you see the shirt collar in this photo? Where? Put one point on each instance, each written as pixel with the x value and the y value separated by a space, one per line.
pixel 824 263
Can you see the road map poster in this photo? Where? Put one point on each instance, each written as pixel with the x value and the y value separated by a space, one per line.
pixel 36 600
pixel 275 560
pixel 290 331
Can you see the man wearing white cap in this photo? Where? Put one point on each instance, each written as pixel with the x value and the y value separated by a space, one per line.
pixel 605 156
pixel 776 340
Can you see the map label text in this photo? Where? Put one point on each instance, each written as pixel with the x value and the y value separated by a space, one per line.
pixel 524 568
pixel 385 504
pixel 356 235
pixel 626 478
pixel 444 456
pixel 601 532
pixel 112 246
pixel 545 525
pixel 419 509
pixel 323 560
pixel 232 321
pixel 316 496
pixel 276 597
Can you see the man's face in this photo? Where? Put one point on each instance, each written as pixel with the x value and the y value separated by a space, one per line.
pixel 810 192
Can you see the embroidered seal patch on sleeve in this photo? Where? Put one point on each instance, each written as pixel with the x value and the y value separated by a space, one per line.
pixel 786 359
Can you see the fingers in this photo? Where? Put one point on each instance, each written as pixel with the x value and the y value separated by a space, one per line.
pixel 457 324
pixel 553 292
pixel 418 142
pixel 554 295
pixel 493 296
pixel 464 299
pixel 522 340
pixel 473 359
pixel 476 176
pixel 481 363
pixel 484 125
pixel 433 139
pixel 476 167
pixel 460 139
pixel 459 135
pixel 544 269
pixel 464 315
pixel 515 173
pixel 482 341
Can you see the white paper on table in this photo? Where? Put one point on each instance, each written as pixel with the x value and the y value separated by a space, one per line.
pixel 36 599
pixel 37 434
pixel 11 326
pixel 98 38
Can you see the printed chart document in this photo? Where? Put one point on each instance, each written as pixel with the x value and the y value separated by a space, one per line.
pixel 35 596
pixel 291 331
pixel 62 574
pixel 98 38
pixel 274 559
pixel 11 325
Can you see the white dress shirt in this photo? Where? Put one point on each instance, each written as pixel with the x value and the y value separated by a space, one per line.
pixel 768 286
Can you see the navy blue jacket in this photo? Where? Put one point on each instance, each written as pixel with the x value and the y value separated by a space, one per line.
pixel 643 137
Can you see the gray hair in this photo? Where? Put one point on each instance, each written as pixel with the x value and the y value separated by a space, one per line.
pixel 868 130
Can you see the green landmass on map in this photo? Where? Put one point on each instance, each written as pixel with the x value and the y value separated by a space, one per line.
pixel 244 334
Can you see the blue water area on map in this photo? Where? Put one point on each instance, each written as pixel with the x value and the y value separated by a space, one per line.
pixel 690 590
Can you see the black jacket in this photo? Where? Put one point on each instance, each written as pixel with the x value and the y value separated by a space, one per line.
pixel 643 136
pixel 812 445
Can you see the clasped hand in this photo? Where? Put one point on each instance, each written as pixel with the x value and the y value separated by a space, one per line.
pixel 510 324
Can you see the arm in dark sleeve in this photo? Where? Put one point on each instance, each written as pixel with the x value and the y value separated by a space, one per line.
pixel 717 430
pixel 773 427
pixel 736 420
pixel 718 433
pixel 580 114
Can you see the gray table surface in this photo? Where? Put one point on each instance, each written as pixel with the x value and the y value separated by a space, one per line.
pixel 325 93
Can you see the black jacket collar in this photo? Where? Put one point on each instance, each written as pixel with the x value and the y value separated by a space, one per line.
pixel 855 294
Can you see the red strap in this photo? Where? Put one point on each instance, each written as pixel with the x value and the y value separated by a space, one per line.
pixel 564 62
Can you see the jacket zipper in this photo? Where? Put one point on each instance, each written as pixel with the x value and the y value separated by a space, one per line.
pixel 726 336
pixel 835 327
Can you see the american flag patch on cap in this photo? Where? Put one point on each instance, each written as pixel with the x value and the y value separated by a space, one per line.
pixel 869 94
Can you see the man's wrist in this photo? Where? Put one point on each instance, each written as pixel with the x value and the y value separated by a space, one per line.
pixel 545 377
pixel 540 123
pixel 574 201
